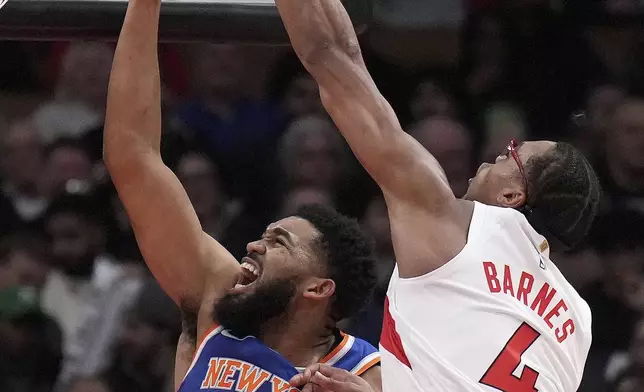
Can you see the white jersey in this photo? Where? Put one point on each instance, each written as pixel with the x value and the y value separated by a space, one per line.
pixel 498 317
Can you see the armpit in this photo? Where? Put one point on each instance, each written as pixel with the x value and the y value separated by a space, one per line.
pixel 189 324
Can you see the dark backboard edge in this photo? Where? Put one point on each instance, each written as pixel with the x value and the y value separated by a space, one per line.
pixel 180 22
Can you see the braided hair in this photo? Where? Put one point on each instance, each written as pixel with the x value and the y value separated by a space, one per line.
pixel 564 195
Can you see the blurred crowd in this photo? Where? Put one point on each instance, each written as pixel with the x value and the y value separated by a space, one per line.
pixel 245 132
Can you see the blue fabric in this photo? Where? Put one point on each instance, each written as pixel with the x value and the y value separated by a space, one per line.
pixel 227 363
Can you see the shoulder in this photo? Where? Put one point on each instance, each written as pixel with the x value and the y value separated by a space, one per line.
pixel 353 355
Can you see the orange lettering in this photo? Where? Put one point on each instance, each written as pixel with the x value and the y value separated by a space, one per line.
pixel 490 274
pixel 251 378
pixel 280 385
pixel 229 369
pixel 507 281
pixel 214 367
pixel 542 300
pixel 525 287
pixel 555 312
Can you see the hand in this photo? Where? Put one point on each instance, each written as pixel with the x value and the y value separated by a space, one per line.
pixel 325 378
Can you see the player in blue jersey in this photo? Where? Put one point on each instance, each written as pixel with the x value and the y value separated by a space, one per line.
pixel 251 326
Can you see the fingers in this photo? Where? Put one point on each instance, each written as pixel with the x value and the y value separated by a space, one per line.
pixel 330 384
pixel 324 378
pixel 334 373
pixel 304 377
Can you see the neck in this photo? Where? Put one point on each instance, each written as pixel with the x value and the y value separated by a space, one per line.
pixel 303 339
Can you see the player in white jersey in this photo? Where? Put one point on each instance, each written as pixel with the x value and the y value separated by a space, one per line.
pixel 475 304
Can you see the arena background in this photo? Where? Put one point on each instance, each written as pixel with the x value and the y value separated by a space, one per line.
pixel 245 132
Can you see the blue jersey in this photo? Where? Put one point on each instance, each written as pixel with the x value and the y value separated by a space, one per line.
pixel 226 363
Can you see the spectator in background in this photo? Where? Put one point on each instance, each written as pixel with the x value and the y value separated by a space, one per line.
pixel 144 355
pixel 485 58
pixel 30 342
pixel 200 178
pixel 98 332
pixel 236 131
pixel 622 169
pixel 450 143
pixel 295 91
pixel 502 122
pixel 299 197
pixel 592 126
pixel 79 101
pixel 82 273
pixel 311 154
pixel 302 97
pixel 614 299
pixel 68 165
pixel 626 372
pixel 22 197
pixel 23 261
pixel 582 266
pixel 431 99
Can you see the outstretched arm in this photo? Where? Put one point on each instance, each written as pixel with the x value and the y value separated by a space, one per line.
pixel 179 254
pixel 412 181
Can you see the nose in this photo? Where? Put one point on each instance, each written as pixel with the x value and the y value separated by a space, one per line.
pixel 256 247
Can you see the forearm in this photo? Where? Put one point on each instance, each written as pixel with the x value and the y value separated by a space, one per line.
pixel 324 39
pixel 316 28
pixel 133 114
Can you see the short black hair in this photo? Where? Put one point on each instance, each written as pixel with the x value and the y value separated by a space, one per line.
pixel 349 256
pixel 563 195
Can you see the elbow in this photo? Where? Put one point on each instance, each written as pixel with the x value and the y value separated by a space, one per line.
pixel 317 54
pixel 117 157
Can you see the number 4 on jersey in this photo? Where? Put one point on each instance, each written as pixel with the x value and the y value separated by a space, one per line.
pixel 499 375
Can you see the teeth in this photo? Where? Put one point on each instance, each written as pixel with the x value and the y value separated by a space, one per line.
pixel 238 285
pixel 250 268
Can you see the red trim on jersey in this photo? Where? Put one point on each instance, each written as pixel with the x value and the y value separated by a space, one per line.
pixel 390 340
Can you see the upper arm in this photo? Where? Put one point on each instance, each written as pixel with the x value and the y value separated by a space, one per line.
pixel 373 377
pixel 367 121
pixel 427 223
pixel 177 251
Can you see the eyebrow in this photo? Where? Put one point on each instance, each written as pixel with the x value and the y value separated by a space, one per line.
pixel 283 232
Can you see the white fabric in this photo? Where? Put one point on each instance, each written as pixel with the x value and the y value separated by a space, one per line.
pixel 453 324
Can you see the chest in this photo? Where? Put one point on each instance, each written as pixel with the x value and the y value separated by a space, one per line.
pixel 225 363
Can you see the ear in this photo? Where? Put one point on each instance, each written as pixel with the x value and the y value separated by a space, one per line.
pixel 319 288
pixel 511 197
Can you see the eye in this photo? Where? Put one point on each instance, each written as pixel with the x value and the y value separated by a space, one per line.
pixel 503 155
pixel 280 241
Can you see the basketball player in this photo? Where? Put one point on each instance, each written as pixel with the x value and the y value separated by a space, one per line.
pixel 256 321
pixel 475 303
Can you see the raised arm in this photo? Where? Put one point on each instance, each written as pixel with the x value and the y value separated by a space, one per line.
pixel 325 41
pixel 413 183
pixel 180 255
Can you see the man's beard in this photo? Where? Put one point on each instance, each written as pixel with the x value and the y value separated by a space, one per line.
pixel 244 314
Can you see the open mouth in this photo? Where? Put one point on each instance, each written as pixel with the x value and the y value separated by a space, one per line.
pixel 251 271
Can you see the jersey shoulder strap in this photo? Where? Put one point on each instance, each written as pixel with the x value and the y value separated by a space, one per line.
pixel 353 355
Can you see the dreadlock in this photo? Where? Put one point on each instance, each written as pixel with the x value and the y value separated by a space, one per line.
pixel 564 195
